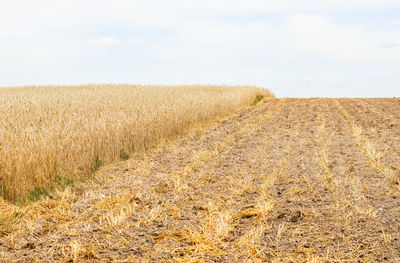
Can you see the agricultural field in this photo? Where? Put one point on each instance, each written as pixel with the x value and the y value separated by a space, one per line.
pixel 284 180
pixel 51 136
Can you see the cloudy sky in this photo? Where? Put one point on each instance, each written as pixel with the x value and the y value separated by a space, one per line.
pixel 297 48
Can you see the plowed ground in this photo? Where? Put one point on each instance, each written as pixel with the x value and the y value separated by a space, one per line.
pixel 288 180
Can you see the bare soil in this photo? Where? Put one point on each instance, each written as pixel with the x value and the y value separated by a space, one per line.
pixel 288 180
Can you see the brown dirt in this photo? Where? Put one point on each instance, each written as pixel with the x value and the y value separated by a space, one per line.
pixel 289 180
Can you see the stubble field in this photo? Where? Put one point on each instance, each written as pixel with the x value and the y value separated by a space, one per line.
pixel 288 180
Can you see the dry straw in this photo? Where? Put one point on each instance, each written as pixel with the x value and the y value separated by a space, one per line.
pixel 50 135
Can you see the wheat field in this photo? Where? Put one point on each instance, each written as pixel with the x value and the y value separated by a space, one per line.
pixel 51 135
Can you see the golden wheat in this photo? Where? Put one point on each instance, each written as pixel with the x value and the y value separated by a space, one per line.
pixel 49 135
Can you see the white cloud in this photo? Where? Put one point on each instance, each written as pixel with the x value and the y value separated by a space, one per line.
pixel 105 41
pixel 51 14
pixel 222 33
pixel 390 45
pixel 320 35
pixel 309 78
pixel 214 41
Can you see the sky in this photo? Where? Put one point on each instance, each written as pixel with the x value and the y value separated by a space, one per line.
pixel 295 48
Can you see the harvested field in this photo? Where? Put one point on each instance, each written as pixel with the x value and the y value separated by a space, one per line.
pixel 288 180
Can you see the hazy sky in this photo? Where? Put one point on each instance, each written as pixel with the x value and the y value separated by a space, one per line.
pixel 293 47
